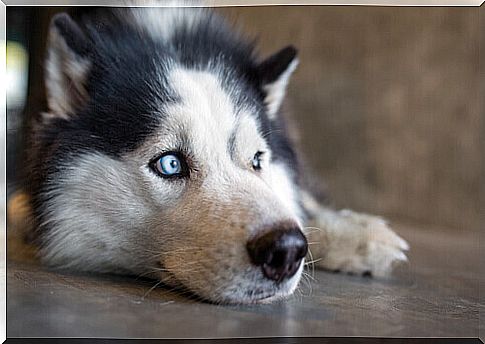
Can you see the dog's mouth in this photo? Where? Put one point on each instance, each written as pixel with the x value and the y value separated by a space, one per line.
pixel 268 267
pixel 264 298
pixel 252 288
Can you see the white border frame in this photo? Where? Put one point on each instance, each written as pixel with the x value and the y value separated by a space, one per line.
pixel 209 3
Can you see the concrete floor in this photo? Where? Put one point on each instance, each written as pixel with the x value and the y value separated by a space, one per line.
pixel 436 294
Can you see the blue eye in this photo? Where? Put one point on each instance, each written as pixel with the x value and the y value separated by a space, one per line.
pixel 170 165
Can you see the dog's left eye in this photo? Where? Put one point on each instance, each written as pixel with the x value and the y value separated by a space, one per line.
pixel 256 162
pixel 170 164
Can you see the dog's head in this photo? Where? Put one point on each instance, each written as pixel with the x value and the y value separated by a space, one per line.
pixel 164 155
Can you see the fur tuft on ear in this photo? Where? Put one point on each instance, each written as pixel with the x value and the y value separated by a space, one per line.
pixel 66 67
pixel 274 73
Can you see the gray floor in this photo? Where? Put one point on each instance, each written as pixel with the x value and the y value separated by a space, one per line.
pixel 436 294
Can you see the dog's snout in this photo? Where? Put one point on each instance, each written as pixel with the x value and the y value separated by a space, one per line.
pixel 279 252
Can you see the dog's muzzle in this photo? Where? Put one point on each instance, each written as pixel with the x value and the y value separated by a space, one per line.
pixel 279 252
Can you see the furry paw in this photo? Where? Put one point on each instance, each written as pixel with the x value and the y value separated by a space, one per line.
pixel 356 243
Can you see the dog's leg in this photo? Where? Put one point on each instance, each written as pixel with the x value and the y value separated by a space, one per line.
pixel 353 242
pixel 20 245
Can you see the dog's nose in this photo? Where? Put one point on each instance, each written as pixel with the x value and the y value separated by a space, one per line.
pixel 278 252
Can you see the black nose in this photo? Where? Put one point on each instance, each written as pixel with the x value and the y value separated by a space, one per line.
pixel 279 252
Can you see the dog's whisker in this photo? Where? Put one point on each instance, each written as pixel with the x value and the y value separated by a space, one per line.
pixel 179 289
pixel 298 294
pixel 143 274
pixel 171 252
pixel 310 229
pixel 307 229
pixel 311 262
pixel 304 283
pixel 158 270
pixel 152 288
pixel 309 276
pixel 308 281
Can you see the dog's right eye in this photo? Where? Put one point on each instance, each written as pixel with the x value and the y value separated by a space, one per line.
pixel 170 164
pixel 256 162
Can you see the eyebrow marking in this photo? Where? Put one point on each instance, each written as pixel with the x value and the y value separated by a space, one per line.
pixel 231 145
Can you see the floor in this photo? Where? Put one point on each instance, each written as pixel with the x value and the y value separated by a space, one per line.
pixel 435 294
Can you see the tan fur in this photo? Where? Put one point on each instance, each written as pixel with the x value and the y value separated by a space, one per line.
pixel 19 229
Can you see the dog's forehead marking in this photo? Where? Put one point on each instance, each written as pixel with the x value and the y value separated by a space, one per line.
pixel 209 117
pixel 204 102
pixel 162 22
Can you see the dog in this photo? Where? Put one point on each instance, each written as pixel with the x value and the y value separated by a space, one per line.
pixel 163 152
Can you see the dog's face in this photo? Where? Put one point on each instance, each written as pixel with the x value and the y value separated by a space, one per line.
pixel 170 164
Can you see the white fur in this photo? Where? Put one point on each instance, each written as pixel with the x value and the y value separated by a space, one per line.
pixel 96 216
pixel 285 190
pixel 161 22
pixel 275 91
pixel 354 242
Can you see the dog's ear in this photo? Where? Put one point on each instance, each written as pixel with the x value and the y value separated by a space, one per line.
pixel 274 73
pixel 67 66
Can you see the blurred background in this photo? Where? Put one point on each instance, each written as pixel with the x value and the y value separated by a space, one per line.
pixel 386 100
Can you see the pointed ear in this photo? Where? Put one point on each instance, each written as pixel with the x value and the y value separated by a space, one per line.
pixel 274 73
pixel 67 67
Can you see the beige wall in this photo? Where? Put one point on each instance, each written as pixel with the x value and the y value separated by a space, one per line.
pixel 387 103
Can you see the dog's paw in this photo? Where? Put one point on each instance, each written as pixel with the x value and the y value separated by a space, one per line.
pixel 357 243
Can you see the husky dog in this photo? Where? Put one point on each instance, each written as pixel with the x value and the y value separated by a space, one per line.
pixel 163 152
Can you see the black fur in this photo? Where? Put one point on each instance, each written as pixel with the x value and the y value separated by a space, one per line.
pixel 271 68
